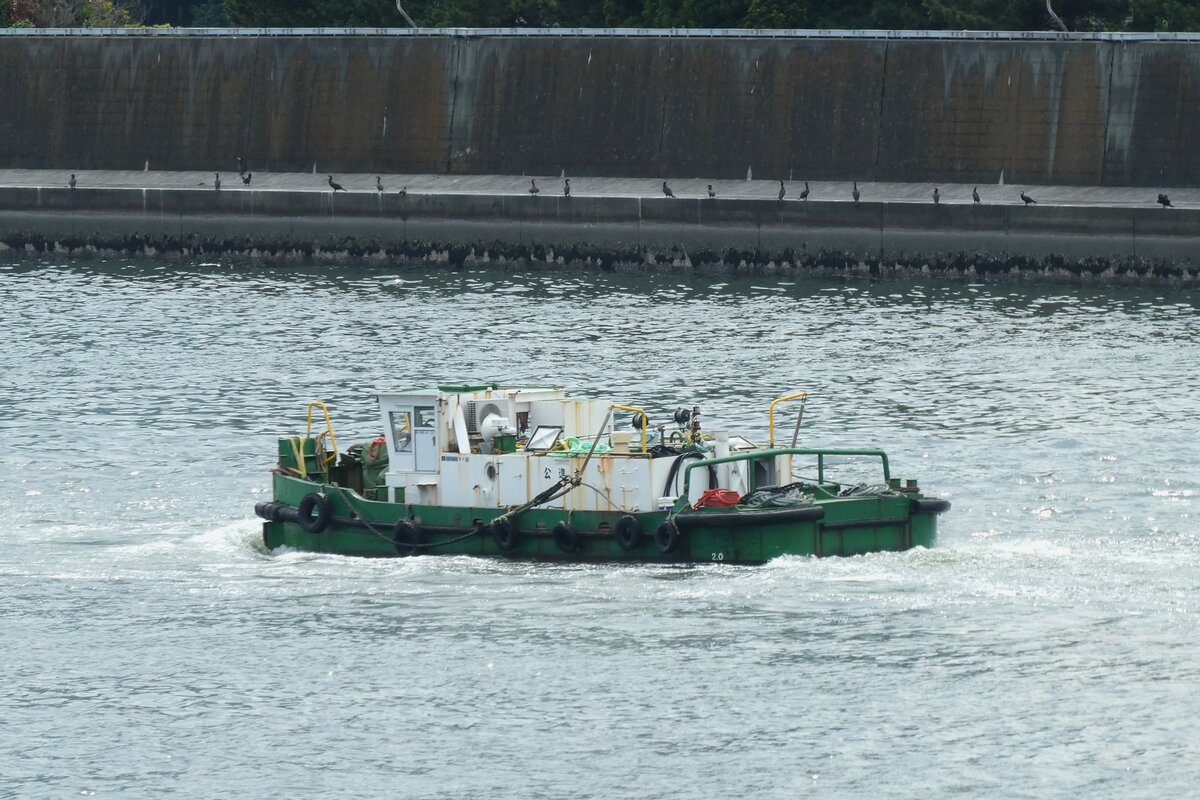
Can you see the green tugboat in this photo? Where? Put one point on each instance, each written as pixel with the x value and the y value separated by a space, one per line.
pixel 530 473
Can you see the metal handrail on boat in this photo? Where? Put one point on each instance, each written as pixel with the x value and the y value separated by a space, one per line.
pixel 771 416
pixel 328 428
pixel 820 453
pixel 645 419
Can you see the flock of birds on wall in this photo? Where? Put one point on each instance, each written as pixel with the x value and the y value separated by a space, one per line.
pixel 246 176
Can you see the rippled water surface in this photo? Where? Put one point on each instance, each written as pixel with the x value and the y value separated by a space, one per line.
pixel 151 648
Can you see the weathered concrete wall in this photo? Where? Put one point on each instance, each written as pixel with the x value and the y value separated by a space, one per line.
pixel 1091 112
pixel 79 103
pixel 1062 242
pixel 1034 111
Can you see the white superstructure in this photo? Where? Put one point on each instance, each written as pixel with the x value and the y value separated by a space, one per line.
pixel 459 448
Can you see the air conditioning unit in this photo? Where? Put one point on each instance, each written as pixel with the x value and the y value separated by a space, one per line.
pixel 476 411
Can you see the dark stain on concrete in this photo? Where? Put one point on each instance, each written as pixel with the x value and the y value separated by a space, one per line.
pixel 1079 112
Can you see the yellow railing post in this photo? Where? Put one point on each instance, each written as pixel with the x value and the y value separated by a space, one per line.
pixel 645 420
pixel 771 412
pixel 328 428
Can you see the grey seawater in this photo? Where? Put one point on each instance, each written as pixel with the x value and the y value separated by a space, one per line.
pixel 151 647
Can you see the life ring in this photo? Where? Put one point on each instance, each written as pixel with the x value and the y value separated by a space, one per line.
pixel 504 534
pixel 629 532
pixel 407 537
pixel 304 512
pixel 566 536
pixel 666 537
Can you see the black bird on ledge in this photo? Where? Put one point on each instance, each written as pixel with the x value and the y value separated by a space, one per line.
pixel 667 190
pixel 337 187
pixel 246 178
pixel 1027 199
pixel 1163 200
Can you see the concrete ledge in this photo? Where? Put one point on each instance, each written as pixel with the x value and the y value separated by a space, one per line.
pixel 1045 241
pixel 693 217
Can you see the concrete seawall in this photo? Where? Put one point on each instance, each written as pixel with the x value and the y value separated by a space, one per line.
pixel 1058 242
pixel 1083 110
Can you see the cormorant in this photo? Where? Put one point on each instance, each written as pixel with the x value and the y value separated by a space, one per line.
pixel 533 190
pixel 337 187
pixel 667 190
pixel 1027 199
pixel 854 193
pixel 403 191
pixel 217 181
pixel 241 165
pixel 566 187
pixel 71 182
pixel 711 194
pixel 975 194
pixel 804 192
pixel 782 192
pixel 246 178
pixel 378 185
pixel 937 196
pixel 1162 198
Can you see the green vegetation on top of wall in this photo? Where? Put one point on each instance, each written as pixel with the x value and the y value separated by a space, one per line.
pixel 69 13
pixel 1111 15
pixel 111 13
pixel 1016 15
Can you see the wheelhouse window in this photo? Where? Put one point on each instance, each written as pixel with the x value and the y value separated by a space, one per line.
pixel 402 431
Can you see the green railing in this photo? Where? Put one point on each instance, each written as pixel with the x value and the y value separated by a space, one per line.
pixel 752 455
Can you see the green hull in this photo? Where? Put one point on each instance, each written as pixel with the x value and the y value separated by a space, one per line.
pixel 360 527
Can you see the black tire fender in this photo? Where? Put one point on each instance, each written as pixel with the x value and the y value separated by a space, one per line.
pixel 505 534
pixel 628 532
pixel 930 505
pixel 305 518
pixel 270 511
pixel 566 536
pixel 666 537
pixel 408 537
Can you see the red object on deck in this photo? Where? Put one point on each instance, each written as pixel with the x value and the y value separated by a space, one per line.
pixel 376 447
pixel 718 498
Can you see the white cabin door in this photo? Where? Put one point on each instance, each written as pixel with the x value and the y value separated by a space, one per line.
pixel 425 444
